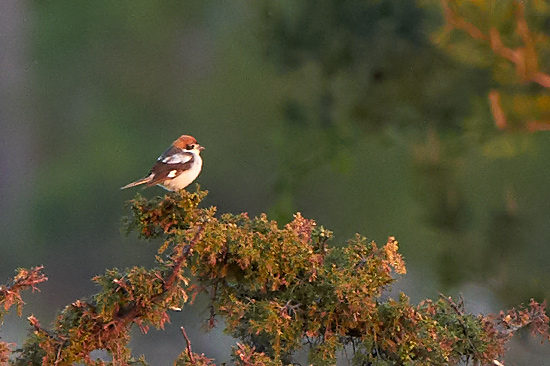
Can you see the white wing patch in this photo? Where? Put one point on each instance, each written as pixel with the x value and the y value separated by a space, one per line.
pixel 176 159
pixel 172 174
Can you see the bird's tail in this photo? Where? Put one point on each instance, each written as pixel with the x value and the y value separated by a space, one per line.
pixel 138 182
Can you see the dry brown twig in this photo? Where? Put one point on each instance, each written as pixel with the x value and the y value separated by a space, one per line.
pixel 188 345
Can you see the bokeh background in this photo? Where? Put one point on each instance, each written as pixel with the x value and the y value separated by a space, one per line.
pixel 367 116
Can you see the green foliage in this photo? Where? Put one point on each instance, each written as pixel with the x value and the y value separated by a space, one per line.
pixel 354 69
pixel 278 289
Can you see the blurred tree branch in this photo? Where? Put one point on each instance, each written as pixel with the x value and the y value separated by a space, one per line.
pixel 524 57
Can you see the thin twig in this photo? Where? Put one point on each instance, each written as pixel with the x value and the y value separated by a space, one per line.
pixel 22 282
pixel 57 359
pixel 135 311
pixel 212 320
pixel 496 110
pixel 458 22
pixel 188 346
pixel 460 313
pixel 175 271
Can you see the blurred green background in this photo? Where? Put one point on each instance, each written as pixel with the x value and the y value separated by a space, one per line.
pixel 363 115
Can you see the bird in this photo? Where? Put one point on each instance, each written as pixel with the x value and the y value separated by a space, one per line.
pixel 176 168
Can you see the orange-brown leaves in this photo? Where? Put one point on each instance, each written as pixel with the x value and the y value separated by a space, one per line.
pixel 245 355
pixel 25 279
pixel 394 259
pixel 533 317
pixel 5 349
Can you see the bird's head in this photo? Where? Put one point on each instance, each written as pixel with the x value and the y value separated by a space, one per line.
pixel 186 142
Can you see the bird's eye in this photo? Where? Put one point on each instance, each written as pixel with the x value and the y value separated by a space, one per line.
pixel 190 147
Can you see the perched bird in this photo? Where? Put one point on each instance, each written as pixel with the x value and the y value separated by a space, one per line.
pixel 176 168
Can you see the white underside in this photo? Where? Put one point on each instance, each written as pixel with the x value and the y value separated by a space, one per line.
pixel 185 178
